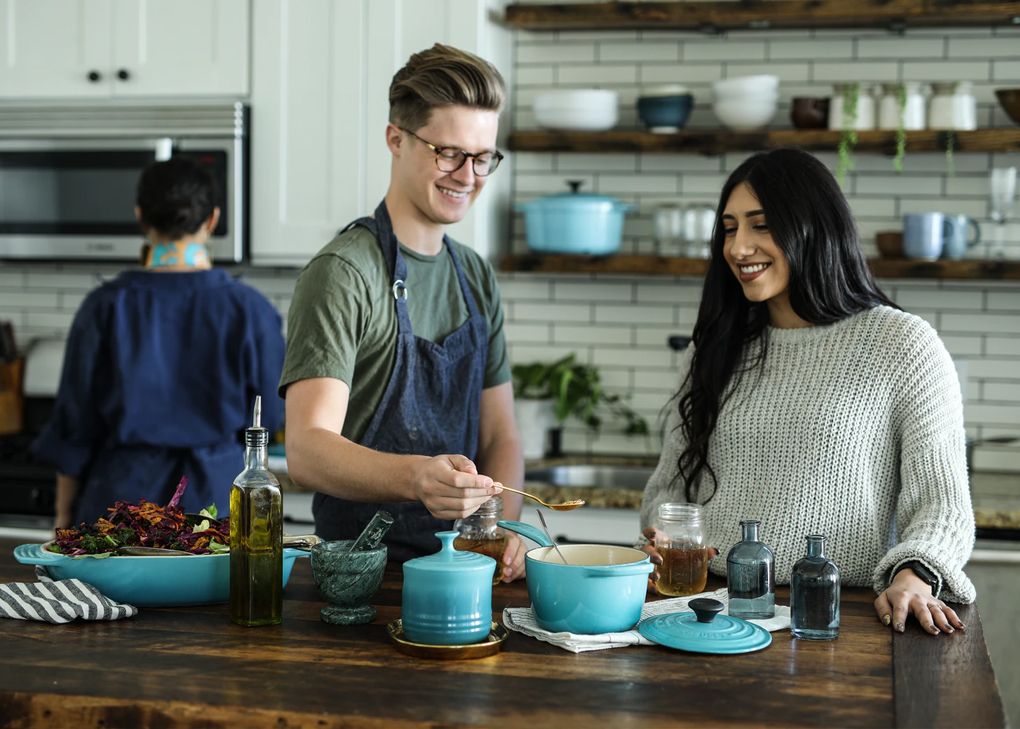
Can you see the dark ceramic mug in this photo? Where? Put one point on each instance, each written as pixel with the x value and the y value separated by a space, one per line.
pixel 809 112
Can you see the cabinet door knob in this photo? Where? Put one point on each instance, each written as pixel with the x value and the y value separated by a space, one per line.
pixel 123 74
pixel 94 76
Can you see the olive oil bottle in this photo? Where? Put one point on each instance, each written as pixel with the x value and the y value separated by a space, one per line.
pixel 256 535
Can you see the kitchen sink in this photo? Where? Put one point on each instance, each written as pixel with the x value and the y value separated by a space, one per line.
pixel 632 478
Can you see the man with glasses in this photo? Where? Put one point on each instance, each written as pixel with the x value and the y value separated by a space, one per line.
pixel 396 379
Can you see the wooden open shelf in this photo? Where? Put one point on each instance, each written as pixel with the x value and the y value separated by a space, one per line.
pixel 655 265
pixel 719 142
pixel 713 17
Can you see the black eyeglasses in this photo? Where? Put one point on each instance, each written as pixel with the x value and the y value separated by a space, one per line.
pixel 451 159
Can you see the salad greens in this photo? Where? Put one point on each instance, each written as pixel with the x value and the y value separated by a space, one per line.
pixel 146 524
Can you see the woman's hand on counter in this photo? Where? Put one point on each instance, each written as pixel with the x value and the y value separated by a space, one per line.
pixel 652 535
pixel 513 558
pixel 908 594
pixel 450 486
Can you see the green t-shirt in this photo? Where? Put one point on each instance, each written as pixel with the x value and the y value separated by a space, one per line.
pixel 342 321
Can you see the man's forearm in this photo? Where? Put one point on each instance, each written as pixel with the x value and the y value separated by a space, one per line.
pixel 322 460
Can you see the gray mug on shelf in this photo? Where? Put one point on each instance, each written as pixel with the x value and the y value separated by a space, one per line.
pixel 956 244
pixel 925 235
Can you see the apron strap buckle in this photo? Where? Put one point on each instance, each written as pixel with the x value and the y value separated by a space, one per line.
pixel 399 289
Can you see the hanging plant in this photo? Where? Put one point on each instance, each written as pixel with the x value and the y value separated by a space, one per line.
pixel 901 133
pixel 848 137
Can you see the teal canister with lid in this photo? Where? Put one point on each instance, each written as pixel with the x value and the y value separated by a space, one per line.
pixel 447 596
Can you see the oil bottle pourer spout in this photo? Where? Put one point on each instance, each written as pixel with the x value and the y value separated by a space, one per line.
pixel 257 415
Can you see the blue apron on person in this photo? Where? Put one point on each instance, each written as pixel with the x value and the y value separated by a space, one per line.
pixel 431 406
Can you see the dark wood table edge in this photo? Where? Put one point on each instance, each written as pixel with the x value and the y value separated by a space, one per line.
pixel 934 681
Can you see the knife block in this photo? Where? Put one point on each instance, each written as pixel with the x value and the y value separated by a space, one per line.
pixel 12 402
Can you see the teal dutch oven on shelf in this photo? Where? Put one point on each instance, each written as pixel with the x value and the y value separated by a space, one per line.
pixel 447 596
pixel 575 222
pixel 601 589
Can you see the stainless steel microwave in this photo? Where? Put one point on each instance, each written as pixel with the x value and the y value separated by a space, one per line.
pixel 68 175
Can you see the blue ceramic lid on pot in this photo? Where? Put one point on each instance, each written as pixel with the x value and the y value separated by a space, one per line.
pixel 704 631
pixel 447 596
pixel 575 222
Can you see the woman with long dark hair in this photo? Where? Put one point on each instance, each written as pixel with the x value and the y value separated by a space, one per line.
pixel 810 402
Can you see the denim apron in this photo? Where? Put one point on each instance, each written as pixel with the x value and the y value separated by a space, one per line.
pixel 431 406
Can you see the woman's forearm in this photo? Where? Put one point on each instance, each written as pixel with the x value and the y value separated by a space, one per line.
pixel 67 492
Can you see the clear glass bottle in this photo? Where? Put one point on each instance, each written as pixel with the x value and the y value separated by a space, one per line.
pixel 814 594
pixel 684 569
pixel 480 533
pixel 256 535
pixel 751 576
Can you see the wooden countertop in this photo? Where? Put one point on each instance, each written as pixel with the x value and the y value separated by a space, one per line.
pixel 185 667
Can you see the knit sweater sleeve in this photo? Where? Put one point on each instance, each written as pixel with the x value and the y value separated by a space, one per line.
pixel 934 516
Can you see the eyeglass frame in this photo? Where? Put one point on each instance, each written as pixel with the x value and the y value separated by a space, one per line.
pixel 463 155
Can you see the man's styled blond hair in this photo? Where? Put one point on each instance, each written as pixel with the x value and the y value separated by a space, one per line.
pixel 443 76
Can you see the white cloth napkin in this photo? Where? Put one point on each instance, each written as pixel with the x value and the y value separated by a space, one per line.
pixel 522 620
pixel 58 601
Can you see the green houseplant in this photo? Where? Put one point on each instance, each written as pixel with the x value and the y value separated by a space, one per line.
pixel 564 389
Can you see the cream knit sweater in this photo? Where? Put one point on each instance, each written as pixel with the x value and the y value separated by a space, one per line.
pixel 854 431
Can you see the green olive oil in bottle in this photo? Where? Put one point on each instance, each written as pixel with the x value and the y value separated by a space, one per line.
pixel 256 535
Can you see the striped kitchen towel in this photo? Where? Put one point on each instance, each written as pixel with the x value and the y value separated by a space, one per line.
pixel 58 601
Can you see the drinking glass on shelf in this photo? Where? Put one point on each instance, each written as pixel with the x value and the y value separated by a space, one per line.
pixel 667 223
pixel 698 224
pixel 1002 188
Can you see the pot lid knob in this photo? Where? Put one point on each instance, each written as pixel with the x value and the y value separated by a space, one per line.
pixel 575 185
pixel 706 608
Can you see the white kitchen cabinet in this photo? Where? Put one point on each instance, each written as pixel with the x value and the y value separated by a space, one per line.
pixel 321 71
pixel 94 49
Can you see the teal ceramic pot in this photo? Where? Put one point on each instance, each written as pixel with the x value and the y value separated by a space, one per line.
pixel 575 222
pixel 347 580
pixel 601 589
pixel 447 597
pixel 193 579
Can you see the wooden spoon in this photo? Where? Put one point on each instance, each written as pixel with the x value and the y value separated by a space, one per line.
pixel 565 506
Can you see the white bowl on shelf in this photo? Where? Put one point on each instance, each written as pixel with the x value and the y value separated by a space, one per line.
pixel 762 84
pixel 577 109
pixel 745 114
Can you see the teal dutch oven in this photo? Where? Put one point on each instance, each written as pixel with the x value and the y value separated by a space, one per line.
pixel 447 596
pixel 575 222
pixel 601 589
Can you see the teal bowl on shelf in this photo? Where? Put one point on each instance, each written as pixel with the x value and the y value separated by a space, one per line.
pixel 665 113
pixel 194 579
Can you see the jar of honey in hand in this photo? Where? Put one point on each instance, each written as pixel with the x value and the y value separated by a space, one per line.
pixel 684 569
pixel 480 533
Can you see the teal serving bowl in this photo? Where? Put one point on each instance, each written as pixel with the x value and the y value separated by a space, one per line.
pixel 194 579
pixel 447 596
pixel 601 589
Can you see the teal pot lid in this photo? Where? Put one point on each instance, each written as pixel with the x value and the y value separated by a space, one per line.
pixel 448 559
pixel 690 631
pixel 576 201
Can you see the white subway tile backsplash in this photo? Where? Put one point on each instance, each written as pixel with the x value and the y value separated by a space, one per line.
pixel 526 311
pixel 561 52
pixel 657 184
pixel 28 300
pixel 983 48
pixel 1003 391
pixel 788 73
pixel 947 70
pixel 631 357
pixel 519 287
pixel 1008 301
pixel 988 322
pixel 601 76
pixel 997 414
pixel 528 333
pixel 864 72
pixel 679 73
pixel 588 291
pixel 723 49
pixel 616 314
pixel 600 335
pixel 896 48
pixel 534 75
pixel 941 300
pixel 635 51
pixel 1006 71
pixel 784 49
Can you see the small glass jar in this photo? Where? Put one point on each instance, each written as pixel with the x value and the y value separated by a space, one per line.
pixel 953 106
pixel 750 576
pixel 913 112
pixel 814 594
pixel 480 533
pixel 684 569
pixel 864 118
pixel 668 225
pixel 698 226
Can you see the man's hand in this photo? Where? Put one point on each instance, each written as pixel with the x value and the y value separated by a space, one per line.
pixel 450 487
pixel 513 558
